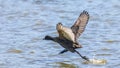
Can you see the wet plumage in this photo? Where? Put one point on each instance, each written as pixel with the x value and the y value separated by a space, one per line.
pixel 68 36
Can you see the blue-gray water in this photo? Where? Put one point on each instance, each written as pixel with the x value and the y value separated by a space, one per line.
pixel 24 23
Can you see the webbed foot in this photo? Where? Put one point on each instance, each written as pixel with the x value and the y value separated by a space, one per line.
pixel 84 57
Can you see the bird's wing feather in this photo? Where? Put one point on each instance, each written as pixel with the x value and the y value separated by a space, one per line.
pixel 80 24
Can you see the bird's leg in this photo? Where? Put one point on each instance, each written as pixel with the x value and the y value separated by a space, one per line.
pixel 63 51
pixel 84 57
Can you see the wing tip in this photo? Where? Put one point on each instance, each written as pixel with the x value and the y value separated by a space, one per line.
pixel 85 12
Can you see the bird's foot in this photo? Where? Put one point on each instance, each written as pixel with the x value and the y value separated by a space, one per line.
pixel 84 57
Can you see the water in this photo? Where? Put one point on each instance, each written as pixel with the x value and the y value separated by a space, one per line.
pixel 24 23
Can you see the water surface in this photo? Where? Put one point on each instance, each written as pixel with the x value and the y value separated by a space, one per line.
pixel 24 23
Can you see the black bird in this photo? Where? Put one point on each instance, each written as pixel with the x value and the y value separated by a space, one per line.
pixel 68 36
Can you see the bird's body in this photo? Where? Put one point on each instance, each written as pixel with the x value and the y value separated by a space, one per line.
pixel 68 36
pixel 67 44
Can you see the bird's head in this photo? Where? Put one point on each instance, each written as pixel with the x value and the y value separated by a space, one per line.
pixel 59 26
pixel 47 38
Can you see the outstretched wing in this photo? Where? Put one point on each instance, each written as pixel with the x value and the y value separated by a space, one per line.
pixel 60 30
pixel 65 33
pixel 80 24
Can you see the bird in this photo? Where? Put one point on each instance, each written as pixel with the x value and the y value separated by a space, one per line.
pixel 68 37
